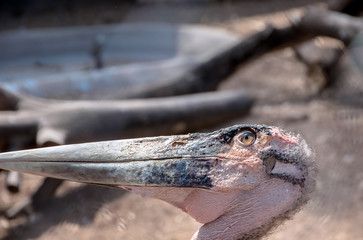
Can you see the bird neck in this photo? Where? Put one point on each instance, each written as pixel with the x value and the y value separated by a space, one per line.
pixel 252 213
pixel 232 214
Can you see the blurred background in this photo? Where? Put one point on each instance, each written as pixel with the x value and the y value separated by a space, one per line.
pixel 185 66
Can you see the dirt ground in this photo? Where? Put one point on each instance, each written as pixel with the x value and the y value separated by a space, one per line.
pixel 333 129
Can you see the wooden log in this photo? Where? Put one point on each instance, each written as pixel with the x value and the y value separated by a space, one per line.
pixel 322 61
pixel 139 60
pixel 183 75
pixel 318 61
pixel 188 75
pixel 346 75
pixel 320 22
pixel 64 122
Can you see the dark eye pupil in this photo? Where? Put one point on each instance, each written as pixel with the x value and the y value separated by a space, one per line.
pixel 246 136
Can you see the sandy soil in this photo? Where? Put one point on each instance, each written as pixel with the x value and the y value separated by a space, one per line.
pixel 334 130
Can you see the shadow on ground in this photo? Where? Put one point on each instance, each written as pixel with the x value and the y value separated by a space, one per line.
pixel 79 206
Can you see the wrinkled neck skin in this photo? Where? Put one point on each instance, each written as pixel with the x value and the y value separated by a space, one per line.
pixel 232 214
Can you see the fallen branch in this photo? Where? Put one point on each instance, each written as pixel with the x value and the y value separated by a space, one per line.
pixel 322 61
pixel 313 23
pixel 63 122
pixel 181 61
pixel 169 79
pixel 340 26
pixel 319 62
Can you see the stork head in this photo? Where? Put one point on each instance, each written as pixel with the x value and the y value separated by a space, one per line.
pixel 238 181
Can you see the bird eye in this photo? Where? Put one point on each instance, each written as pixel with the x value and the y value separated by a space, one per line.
pixel 246 138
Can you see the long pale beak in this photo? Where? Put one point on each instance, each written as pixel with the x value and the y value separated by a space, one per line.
pixel 175 161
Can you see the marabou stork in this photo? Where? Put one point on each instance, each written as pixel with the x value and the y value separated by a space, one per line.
pixel 238 181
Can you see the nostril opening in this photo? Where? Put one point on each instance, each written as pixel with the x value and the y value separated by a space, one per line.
pixel 269 164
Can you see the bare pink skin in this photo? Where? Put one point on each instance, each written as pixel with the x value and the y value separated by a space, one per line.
pixel 244 196
pixel 250 210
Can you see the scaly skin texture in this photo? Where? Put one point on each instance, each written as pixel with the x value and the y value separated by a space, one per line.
pixel 247 199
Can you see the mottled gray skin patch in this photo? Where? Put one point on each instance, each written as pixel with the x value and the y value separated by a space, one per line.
pixel 189 173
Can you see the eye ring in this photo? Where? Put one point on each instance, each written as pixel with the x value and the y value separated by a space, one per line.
pixel 246 138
